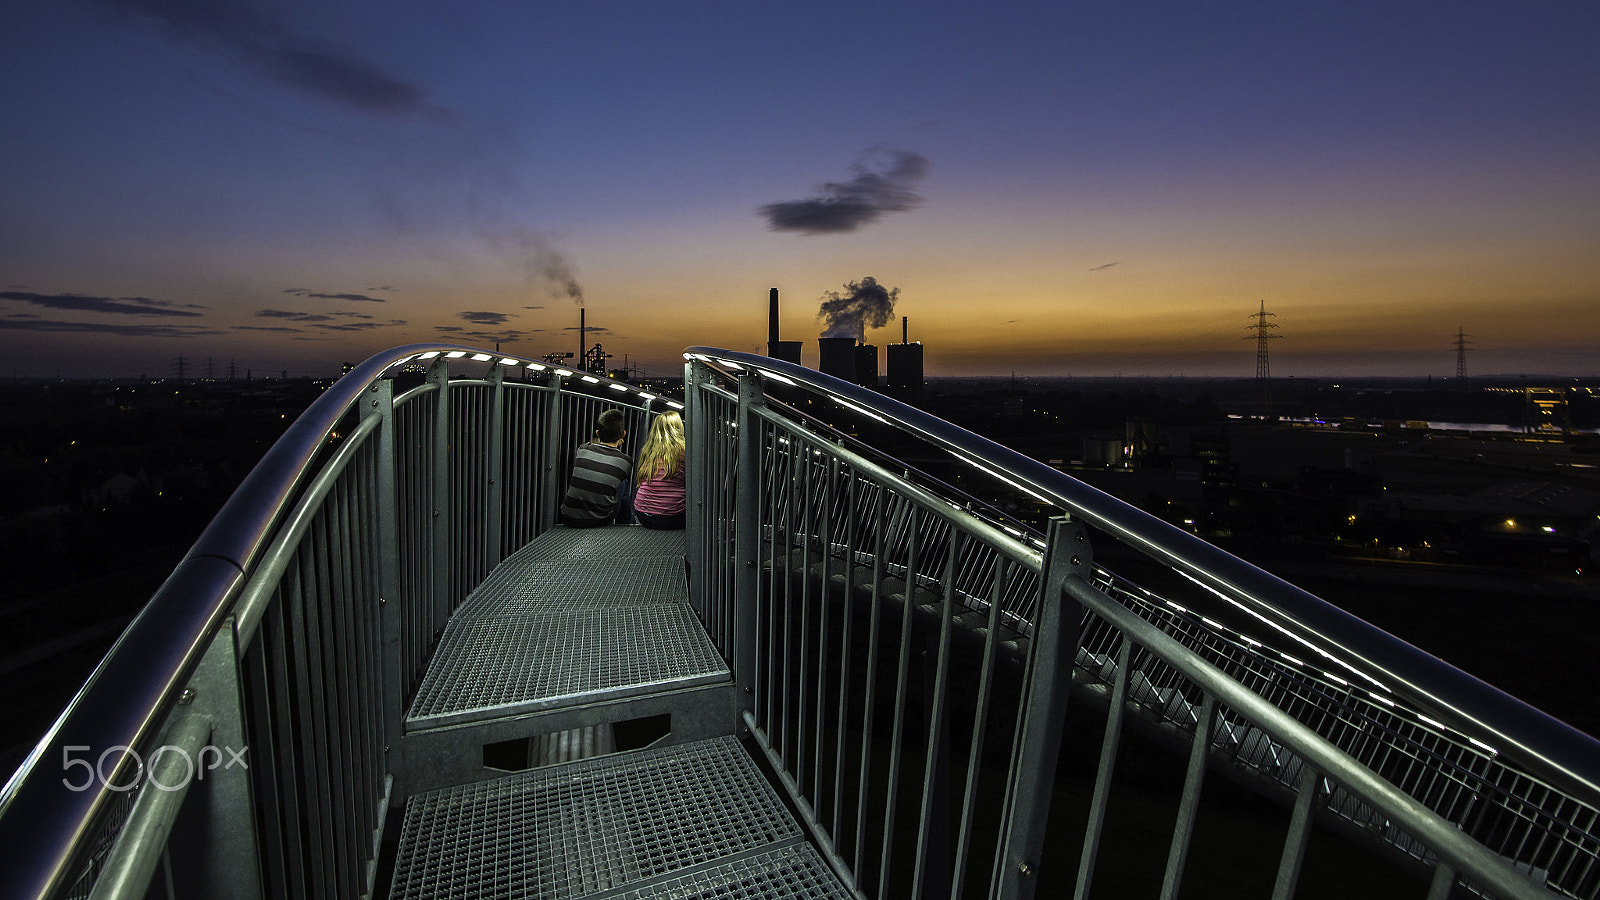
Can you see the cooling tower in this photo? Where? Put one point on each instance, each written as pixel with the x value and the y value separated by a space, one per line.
pixel 838 357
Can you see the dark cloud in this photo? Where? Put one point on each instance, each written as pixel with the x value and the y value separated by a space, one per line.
pixel 592 329
pixel 533 307
pixel 485 318
pixel 293 315
pixel 276 329
pixel 125 306
pixel 271 46
pixel 865 304
pixel 496 337
pixel 316 295
pixel 1098 268
pixel 156 331
pixel 846 206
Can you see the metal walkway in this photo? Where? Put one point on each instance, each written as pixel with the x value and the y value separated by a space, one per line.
pixel 580 618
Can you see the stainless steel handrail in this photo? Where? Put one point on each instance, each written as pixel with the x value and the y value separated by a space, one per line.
pixel 132 692
pixel 1542 745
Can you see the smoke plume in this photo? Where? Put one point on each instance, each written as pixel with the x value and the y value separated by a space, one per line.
pixel 866 304
pixel 846 206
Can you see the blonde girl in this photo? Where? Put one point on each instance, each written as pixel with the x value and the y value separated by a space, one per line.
pixel 659 500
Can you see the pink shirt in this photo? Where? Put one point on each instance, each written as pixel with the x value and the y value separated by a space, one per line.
pixel 660 496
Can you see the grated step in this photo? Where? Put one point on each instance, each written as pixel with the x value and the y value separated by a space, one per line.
pixel 547 655
pixel 576 616
pixel 693 820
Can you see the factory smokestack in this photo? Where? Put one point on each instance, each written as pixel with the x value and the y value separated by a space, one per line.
pixel 583 338
pixel 788 351
pixel 904 330
pixel 772 324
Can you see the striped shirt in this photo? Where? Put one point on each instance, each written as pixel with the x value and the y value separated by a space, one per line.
pixel 598 471
pixel 659 495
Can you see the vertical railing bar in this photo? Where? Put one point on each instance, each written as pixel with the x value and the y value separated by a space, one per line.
pixel 308 752
pixel 1294 845
pixel 1048 680
pixel 747 541
pixel 845 649
pixel 823 593
pixel 880 505
pixel 390 604
pixel 1443 881
pixel 442 546
pixel 808 533
pixel 776 486
pixel 901 685
pixel 1189 805
pixel 934 806
pixel 781 652
pixel 494 502
pixel 554 447
pixel 276 655
pixel 980 720
pixel 335 711
pixel 352 742
pixel 1101 798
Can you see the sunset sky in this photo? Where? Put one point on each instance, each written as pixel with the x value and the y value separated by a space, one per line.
pixel 1063 187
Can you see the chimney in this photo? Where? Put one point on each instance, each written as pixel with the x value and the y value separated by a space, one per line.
pixel 772 324
pixel 904 330
pixel 583 338
pixel 788 351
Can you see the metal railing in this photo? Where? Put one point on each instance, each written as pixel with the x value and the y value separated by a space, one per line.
pixel 253 710
pixel 867 608
pixel 903 652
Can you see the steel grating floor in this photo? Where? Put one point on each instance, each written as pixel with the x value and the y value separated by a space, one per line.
pixel 576 616
pixel 693 820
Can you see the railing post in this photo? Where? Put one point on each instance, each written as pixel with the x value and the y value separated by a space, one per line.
pixel 746 540
pixel 214 848
pixel 554 440
pixel 391 619
pixel 697 436
pixel 494 507
pixel 1049 677
pixel 439 375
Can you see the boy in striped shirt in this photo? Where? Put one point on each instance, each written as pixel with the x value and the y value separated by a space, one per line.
pixel 600 472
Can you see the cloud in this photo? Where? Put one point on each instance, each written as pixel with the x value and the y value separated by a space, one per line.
pixel 485 318
pixel 846 206
pixel 293 315
pixel 270 46
pixel 156 331
pixel 1098 268
pixel 316 295
pixel 125 306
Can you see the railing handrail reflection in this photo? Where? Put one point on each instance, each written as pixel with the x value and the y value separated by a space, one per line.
pixel 1540 745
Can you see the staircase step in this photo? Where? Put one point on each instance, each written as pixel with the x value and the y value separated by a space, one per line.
pixel 690 820
pixel 578 616
pixel 549 655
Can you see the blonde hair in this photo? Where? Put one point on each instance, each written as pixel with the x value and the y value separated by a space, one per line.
pixel 663 449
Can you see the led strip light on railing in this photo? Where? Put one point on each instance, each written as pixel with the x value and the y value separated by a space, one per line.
pixel 510 361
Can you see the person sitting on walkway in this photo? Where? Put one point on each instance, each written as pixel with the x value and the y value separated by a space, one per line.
pixel 600 472
pixel 659 501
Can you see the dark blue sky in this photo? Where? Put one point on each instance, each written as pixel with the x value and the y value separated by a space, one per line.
pixel 1056 187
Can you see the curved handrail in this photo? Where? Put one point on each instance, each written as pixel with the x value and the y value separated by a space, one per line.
pixel 138 683
pixel 1542 745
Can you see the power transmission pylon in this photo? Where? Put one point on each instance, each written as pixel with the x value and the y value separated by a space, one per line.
pixel 1263 368
pixel 1461 357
